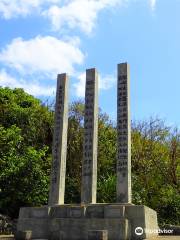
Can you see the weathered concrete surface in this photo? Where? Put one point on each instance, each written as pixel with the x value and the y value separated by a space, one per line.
pixel 34 219
pixel 7 237
pixel 58 170
pixel 89 164
pixel 144 217
pixel 95 211
pixel 38 226
pixel 34 212
pixel 114 211
pixel 98 235
pixel 74 221
pixel 23 235
pixel 77 229
pixel 123 187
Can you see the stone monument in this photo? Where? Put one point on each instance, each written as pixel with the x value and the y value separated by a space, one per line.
pixel 58 171
pixel 123 135
pixel 90 220
pixel 89 165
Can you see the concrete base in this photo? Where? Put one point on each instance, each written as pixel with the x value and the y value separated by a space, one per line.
pixel 98 235
pixel 23 235
pixel 75 222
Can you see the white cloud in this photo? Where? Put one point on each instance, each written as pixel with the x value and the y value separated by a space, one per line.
pixel 80 85
pixel 105 82
pixel 80 14
pixel 69 9
pixel 45 55
pixel 15 8
pixel 32 87
pixel 152 4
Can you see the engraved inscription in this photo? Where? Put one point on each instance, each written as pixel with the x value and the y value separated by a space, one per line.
pixel 88 127
pixel 122 124
pixel 56 147
pixel 59 148
pixel 123 136
pixel 89 165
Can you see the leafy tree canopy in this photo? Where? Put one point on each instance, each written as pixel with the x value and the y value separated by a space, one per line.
pixel 25 157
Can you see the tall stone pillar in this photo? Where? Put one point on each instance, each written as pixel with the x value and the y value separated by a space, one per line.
pixel 124 135
pixel 89 165
pixel 58 171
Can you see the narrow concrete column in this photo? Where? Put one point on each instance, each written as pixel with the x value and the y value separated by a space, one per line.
pixel 58 171
pixel 124 135
pixel 89 165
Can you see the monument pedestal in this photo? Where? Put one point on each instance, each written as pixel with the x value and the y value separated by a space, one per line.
pixel 74 222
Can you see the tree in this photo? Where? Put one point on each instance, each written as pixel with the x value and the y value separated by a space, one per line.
pixel 25 157
pixel 24 173
pixel 28 113
pixel 155 168
pixel 25 150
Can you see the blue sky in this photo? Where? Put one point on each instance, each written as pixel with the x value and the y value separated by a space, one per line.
pixel 41 38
